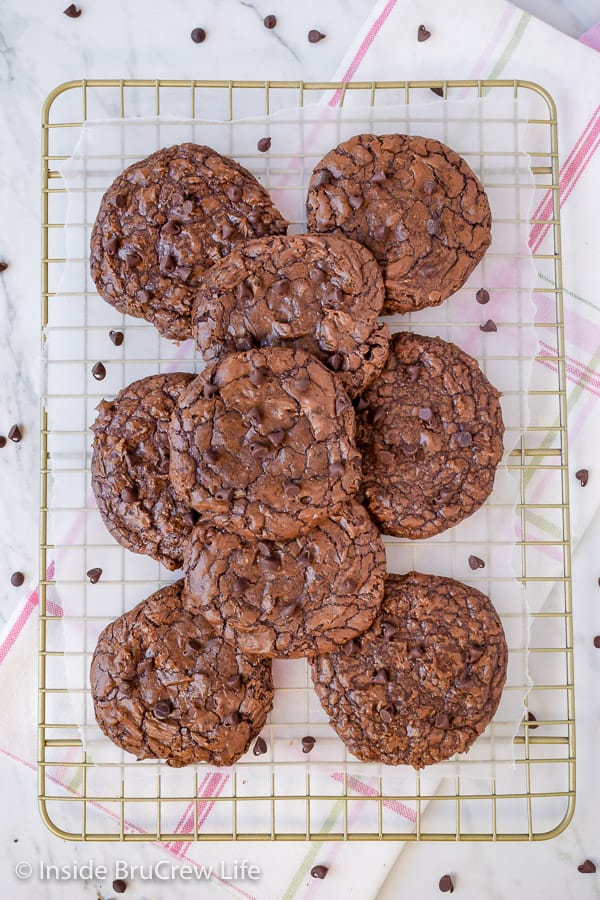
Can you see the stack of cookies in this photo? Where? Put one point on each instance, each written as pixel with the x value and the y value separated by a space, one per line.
pixel 270 477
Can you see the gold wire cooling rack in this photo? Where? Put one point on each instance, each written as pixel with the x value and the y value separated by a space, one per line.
pixel 92 797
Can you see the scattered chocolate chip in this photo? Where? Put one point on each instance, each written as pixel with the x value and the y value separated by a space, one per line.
pixel 381 676
pixel 335 362
pixel 120 201
pixel 388 630
pixel 291 489
pixel 482 296
pixel 414 653
pixel 336 469
pixel 446 885
pixel 464 438
pixel 378 177
pixel 132 259
pixel 474 653
pixel 488 326
pixel 2 441
pixel 94 575
pixel 322 177
pixel 348 585
pixel 475 562
pixel 172 227
pixel 234 193
pixel 386 714
pixel 72 11
pixel 270 22
pixel 162 710
pixel 258 376
pixel 308 742
pixel 112 245
pixel 433 227
pixel 170 263
pixel 442 720
pixel 429 186
pixel 129 494
pixel 198 35
pixel 597 642
pixel 360 405
pixel 381 232
pixel 210 390
pixel 587 867
pixel 258 449
pixel 99 371
pixel 3 266
pixel 288 610
pixel 17 579
pixel 349 648
pixel 315 36
pixel 302 383
pixel 231 719
pixel 226 231
pixel 319 872
pixel 423 34
pixel 582 476
pixel 355 201
pixel 235 682
pixel 531 718
pixel 277 436
pixel 15 434
pixel 117 337
pixel 425 414
pixel 211 455
pixel 264 144
pixel 260 747
pixel 438 91
pixel 224 494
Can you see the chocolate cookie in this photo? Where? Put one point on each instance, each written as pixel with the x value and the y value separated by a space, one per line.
pixel 164 221
pixel 165 686
pixel 426 678
pixel 130 469
pixel 414 203
pixel 318 293
pixel 262 444
pixel 430 432
pixel 289 598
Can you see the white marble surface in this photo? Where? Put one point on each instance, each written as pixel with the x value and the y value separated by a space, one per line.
pixel 40 48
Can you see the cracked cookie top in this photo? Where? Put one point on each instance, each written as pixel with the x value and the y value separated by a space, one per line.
pixel 289 598
pixel 130 469
pixel 414 203
pixel 318 293
pixel 263 444
pixel 430 432
pixel 426 678
pixel 164 221
pixel 166 686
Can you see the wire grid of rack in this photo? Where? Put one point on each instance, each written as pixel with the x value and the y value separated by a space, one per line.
pixel 532 800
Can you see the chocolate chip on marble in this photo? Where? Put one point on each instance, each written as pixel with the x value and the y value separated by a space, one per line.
pixel 482 296
pixel 3 266
pixel 117 337
pixel 264 144
pixel 488 326
pixel 163 709
pixel 198 35
pixel 270 22
pixel 99 371
pixel 582 476
pixel 94 575
pixel 119 886
pixel 464 439
pixel 235 682
pixel 319 872
pixel 597 642
pixel 438 91
pixel 72 11
pixel 315 36
pixel 260 747
pixel 308 742
pixel 446 884
pixel 587 867
pixel 423 34
pixel 3 441
pixel 15 434
pixel 531 718
pixel 17 579
pixel 475 562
